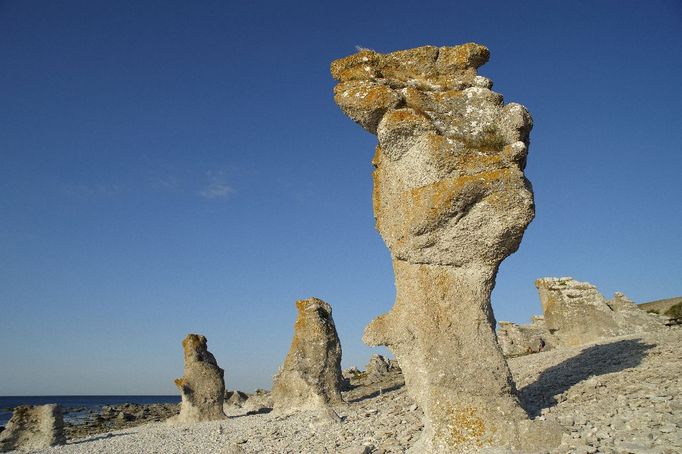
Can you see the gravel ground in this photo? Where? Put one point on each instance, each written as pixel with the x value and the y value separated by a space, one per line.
pixel 617 396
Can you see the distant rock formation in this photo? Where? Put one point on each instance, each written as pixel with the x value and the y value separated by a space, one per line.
pixel 519 340
pixel 451 202
pixel 202 386
pixel 576 313
pixel 32 428
pixel 310 378
pixel 235 398
pixel 378 366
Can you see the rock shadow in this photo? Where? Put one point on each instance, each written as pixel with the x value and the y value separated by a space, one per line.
pixel 593 361
pixel 376 393
pixel 98 437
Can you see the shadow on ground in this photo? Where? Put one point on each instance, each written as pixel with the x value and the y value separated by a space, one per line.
pixel 98 437
pixel 593 361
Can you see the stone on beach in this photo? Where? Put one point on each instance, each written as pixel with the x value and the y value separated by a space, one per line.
pixel 451 202
pixel 202 386
pixel 33 427
pixel 310 377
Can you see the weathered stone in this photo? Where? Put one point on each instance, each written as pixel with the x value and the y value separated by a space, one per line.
pixel 235 398
pixel 377 366
pixel 202 386
pixel 519 340
pixel 576 313
pixel 451 202
pixel 310 378
pixel 33 427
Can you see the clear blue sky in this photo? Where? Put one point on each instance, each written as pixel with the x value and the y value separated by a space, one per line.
pixel 169 167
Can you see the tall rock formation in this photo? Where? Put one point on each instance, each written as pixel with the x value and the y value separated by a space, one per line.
pixel 310 378
pixel 202 385
pixel 32 428
pixel 576 313
pixel 451 202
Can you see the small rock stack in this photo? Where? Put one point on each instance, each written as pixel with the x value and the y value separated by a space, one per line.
pixel 202 386
pixel 310 378
pixel 576 313
pixel 33 427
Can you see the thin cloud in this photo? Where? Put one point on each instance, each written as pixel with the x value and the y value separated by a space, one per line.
pixel 217 188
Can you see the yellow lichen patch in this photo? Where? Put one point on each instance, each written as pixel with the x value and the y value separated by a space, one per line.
pixel 457 58
pixel 476 163
pixel 180 383
pixel 467 427
pixel 425 206
pixel 364 95
pixel 402 117
pixel 344 67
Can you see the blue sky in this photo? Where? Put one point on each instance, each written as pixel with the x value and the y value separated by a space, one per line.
pixel 170 167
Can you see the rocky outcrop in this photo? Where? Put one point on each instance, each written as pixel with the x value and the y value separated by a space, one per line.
pixel 235 398
pixel 576 313
pixel 378 366
pixel 451 202
pixel 33 427
pixel 310 378
pixel 519 340
pixel 202 386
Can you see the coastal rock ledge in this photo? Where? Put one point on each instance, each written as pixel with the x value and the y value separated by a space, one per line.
pixel 451 202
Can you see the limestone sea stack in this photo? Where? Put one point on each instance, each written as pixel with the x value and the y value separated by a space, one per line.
pixel 32 428
pixel 451 202
pixel 576 313
pixel 202 386
pixel 310 377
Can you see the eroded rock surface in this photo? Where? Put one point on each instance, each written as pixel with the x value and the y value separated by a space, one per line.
pixel 33 427
pixel 576 313
pixel 451 202
pixel 202 386
pixel 310 378
pixel 519 340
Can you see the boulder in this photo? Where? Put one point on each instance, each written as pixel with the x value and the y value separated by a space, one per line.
pixel 310 377
pixel 519 340
pixel 32 428
pixel 576 313
pixel 202 386
pixel 451 202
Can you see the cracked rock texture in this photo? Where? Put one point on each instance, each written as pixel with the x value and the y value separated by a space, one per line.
pixel 310 378
pixel 576 313
pixel 33 427
pixel 202 386
pixel 451 202
pixel 518 340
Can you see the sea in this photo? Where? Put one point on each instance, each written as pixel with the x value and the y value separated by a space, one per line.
pixel 77 408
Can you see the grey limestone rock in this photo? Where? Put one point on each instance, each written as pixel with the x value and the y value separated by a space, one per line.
pixel 310 377
pixel 451 202
pixel 519 340
pixel 32 428
pixel 377 366
pixel 576 313
pixel 202 386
